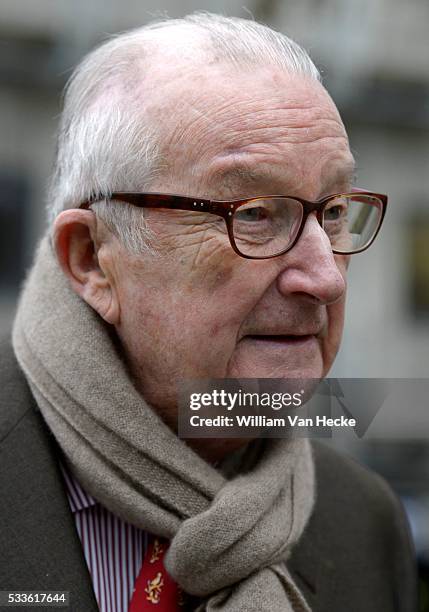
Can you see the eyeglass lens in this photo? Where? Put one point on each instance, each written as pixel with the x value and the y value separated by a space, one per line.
pixel 267 226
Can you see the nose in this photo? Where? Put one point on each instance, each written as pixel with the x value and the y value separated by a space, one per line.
pixel 310 268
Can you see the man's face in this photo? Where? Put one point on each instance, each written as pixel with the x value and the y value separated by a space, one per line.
pixel 198 310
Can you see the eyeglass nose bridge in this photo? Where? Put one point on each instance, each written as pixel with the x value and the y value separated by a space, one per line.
pixel 311 207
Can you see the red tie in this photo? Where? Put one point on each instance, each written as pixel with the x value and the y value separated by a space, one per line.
pixel 154 589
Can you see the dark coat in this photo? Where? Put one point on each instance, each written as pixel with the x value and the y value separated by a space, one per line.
pixel 355 555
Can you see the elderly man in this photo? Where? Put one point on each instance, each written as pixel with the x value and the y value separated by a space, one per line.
pixel 203 217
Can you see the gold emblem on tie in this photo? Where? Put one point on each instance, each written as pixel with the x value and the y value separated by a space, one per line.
pixel 157 551
pixel 154 588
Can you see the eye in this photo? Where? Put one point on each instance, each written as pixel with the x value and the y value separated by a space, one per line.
pixel 335 212
pixel 251 213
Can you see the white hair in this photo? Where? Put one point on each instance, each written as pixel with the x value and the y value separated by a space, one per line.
pixel 106 142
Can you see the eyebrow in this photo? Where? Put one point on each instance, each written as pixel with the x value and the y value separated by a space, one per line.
pixel 343 175
pixel 241 176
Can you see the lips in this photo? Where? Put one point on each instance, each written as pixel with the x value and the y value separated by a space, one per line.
pixel 286 338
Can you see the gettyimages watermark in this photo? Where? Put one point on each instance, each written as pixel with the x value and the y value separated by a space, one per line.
pixel 272 408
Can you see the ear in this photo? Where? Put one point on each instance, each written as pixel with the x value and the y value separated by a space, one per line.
pixel 78 246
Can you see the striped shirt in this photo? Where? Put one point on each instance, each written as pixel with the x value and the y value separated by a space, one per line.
pixel 114 550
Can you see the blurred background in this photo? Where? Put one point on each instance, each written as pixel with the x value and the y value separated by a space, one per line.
pixel 374 58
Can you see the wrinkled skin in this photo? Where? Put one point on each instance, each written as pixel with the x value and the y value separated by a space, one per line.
pixel 196 310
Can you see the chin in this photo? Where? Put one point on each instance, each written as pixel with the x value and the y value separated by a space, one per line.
pixel 271 362
pixel 279 371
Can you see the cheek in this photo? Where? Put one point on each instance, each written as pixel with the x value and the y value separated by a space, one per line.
pixel 204 267
pixel 189 306
pixel 336 318
pixel 336 311
pixel 186 307
pixel 331 342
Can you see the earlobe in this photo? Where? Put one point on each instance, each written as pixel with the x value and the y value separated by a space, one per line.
pixel 77 249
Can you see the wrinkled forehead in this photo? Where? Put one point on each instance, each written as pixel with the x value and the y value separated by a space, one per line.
pixel 220 120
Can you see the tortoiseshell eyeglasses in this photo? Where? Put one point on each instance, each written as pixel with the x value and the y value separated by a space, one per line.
pixel 268 226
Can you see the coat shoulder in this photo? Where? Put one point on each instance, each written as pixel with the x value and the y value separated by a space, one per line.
pixel 341 480
pixel 359 534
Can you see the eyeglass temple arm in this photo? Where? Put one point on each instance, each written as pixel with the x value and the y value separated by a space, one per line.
pixel 158 200
pixel 152 200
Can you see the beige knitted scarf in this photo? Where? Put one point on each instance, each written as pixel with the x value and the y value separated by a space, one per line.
pixel 229 536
